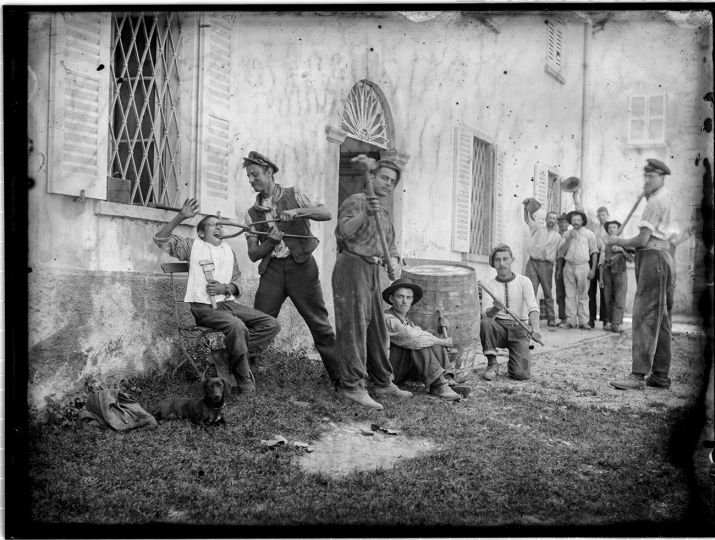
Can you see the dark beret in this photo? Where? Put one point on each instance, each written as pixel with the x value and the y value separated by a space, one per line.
pixel 657 166
pixel 259 159
pixel 497 249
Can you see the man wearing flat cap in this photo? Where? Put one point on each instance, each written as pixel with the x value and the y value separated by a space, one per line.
pixel 655 278
pixel 415 353
pixel 497 328
pixel 288 268
pixel 578 247
pixel 363 340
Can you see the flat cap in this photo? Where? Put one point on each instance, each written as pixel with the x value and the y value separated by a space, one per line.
pixel 657 166
pixel 388 164
pixel 259 159
pixel 497 249
pixel 602 209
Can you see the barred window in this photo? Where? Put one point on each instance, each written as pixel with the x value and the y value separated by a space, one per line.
pixel 482 218
pixel 143 114
pixel 646 119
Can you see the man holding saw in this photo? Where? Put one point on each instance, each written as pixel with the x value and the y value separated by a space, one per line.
pixel 284 245
pixel 366 242
pixel 508 305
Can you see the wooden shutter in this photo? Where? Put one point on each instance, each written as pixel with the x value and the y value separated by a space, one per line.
pixel 499 206
pixel 462 194
pixel 216 165
pixel 79 104
pixel 541 184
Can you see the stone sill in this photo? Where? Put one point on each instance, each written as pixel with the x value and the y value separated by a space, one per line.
pixel 142 213
pixel 555 74
pixel 645 146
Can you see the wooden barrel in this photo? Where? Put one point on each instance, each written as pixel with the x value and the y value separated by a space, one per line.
pixel 451 287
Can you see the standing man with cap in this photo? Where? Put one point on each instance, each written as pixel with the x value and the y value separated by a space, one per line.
pixel 655 278
pixel 542 247
pixel 415 353
pixel 613 278
pixel 580 253
pixel 288 268
pixel 563 224
pixel 363 341
pixel 497 328
pixel 596 306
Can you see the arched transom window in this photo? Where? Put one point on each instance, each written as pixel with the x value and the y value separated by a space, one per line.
pixel 364 117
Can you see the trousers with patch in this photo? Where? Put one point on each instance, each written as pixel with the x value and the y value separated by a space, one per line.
pixel 285 278
pixel 247 332
pixel 363 342
pixel 652 311
pixel 504 333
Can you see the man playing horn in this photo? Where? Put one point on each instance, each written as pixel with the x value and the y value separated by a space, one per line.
pixel 497 328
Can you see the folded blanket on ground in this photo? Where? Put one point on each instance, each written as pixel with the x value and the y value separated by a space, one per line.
pixel 115 409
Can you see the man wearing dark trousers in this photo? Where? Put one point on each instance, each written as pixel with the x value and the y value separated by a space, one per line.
pixel 246 331
pixel 559 278
pixel 288 268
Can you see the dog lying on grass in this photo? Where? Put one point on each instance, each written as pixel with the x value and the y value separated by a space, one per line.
pixel 204 411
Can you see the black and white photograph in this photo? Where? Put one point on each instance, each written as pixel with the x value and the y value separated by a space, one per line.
pixel 358 270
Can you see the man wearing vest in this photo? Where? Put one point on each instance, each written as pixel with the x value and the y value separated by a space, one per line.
pixel 655 282
pixel 288 268
pixel 497 328
pixel 247 331
pixel 363 339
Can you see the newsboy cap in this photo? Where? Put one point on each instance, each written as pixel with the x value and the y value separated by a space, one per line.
pixel 259 159
pixel 388 164
pixel 496 249
pixel 657 166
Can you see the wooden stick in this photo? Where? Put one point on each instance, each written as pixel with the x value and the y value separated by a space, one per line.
pixel 511 313
pixel 380 231
pixel 628 217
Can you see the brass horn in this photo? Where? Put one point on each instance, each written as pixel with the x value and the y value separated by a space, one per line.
pixel 570 184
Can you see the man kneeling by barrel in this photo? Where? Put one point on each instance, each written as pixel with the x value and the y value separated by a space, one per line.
pixel 497 328
pixel 415 353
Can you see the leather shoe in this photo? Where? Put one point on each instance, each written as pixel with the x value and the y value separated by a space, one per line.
pixel 607 326
pixel 551 323
pixel 585 327
pixel 491 372
pixel 629 383
pixel 392 390
pixel 362 397
pixel 657 382
pixel 443 391
pixel 566 325
pixel 616 329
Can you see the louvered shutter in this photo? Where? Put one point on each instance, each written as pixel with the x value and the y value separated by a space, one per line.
pixel 216 164
pixel 499 206
pixel 462 216
pixel 79 104
pixel 541 184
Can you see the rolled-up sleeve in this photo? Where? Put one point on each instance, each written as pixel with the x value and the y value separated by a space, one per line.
pixel 408 337
pixel 178 247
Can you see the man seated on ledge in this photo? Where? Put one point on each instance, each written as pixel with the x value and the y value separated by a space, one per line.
pixel 415 353
pixel 246 331
pixel 497 328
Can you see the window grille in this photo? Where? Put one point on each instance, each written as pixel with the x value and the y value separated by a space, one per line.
pixel 482 219
pixel 364 116
pixel 144 123
pixel 647 119
pixel 554 53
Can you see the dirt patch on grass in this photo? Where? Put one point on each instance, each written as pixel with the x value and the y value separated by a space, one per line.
pixel 345 448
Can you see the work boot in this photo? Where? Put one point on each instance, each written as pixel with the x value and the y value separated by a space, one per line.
pixel 360 396
pixel 443 391
pixel 392 390
pixel 616 329
pixel 657 382
pixel 551 323
pixel 492 371
pixel 632 382
pixel 566 324
pixel 607 326
pixel 585 326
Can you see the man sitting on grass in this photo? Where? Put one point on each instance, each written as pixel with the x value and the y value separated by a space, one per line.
pixel 415 353
pixel 497 328
pixel 246 331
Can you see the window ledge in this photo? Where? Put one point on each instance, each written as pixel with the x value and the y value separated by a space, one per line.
pixel 143 213
pixel 471 257
pixel 646 145
pixel 554 73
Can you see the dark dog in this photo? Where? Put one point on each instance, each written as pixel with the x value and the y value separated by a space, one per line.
pixel 204 411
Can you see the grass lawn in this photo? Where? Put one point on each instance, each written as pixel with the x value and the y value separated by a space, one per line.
pixel 561 453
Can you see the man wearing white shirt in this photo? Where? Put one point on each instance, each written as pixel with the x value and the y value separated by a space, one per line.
pixel 246 331
pixel 497 328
